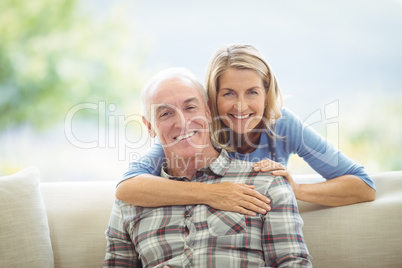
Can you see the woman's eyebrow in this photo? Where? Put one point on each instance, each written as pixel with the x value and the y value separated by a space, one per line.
pixel 226 88
pixel 253 88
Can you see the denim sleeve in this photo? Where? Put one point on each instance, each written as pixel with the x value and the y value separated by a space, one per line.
pixel 319 153
pixel 150 163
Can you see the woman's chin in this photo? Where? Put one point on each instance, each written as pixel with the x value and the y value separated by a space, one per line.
pixel 241 131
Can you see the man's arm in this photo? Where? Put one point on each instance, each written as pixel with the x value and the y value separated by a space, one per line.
pixel 120 251
pixel 340 191
pixel 282 239
pixel 152 191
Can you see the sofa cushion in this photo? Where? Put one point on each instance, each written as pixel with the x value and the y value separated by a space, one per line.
pixel 78 214
pixel 24 230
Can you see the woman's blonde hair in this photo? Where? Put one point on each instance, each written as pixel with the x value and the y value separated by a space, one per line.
pixel 241 57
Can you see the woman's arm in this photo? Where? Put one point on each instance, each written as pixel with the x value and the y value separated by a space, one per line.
pixel 340 191
pixel 141 187
pixel 153 191
pixel 347 182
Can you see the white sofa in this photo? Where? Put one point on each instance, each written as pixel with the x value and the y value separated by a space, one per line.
pixel 360 235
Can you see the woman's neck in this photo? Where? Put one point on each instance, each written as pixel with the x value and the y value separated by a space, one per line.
pixel 248 142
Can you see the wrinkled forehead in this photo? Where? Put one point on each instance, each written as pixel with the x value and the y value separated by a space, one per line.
pixel 166 89
pixel 160 107
pixel 174 92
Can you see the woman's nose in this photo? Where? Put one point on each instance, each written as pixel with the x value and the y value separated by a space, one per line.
pixel 241 105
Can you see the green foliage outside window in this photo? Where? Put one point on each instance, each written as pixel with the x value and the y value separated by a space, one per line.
pixel 53 55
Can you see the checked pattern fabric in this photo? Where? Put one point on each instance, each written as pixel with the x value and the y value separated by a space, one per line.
pixel 201 236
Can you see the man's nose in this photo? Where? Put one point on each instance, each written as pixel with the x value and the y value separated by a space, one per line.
pixel 180 120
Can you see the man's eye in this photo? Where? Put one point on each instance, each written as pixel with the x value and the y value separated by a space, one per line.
pixel 190 107
pixel 164 114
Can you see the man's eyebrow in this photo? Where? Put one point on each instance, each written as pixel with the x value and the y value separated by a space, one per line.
pixel 192 99
pixel 161 107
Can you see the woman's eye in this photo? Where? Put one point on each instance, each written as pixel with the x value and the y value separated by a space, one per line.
pixel 253 92
pixel 228 94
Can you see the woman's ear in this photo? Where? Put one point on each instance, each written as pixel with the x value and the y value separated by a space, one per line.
pixel 149 127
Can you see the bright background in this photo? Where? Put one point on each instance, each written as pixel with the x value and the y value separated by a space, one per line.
pixel 71 71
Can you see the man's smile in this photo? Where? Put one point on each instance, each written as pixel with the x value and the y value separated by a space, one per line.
pixel 181 137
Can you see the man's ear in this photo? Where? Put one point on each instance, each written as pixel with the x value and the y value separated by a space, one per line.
pixel 208 113
pixel 149 127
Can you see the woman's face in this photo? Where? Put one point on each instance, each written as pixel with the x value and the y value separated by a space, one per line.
pixel 241 99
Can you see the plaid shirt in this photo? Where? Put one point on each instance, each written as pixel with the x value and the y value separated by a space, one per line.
pixel 201 236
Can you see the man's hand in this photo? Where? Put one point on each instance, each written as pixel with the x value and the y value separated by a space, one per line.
pixel 236 197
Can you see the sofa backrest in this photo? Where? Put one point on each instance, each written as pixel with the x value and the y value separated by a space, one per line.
pixel 360 235
pixel 78 215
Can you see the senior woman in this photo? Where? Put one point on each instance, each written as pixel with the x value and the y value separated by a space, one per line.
pixel 250 123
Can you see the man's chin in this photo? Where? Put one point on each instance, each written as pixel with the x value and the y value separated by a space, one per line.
pixel 186 151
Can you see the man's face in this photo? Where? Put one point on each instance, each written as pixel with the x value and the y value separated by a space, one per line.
pixel 180 118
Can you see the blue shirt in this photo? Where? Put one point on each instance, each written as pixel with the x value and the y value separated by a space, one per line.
pixel 295 138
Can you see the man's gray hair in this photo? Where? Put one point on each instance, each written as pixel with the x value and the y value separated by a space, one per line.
pixel 168 74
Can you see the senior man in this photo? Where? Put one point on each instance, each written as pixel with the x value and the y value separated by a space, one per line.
pixel 199 235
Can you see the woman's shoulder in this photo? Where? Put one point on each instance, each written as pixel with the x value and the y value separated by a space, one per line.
pixel 287 120
pixel 287 114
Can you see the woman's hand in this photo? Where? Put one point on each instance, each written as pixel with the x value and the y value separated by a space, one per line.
pixel 277 169
pixel 266 165
pixel 286 174
pixel 237 197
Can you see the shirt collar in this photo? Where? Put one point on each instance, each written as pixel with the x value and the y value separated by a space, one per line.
pixel 218 167
pixel 221 164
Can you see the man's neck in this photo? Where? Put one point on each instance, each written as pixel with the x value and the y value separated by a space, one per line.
pixel 188 166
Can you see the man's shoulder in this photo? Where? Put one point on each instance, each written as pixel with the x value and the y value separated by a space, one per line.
pixel 246 168
pixel 241 171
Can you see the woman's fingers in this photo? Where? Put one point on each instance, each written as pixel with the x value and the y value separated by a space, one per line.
pixel 237 197
pixel 253 201
pixel 286 174
pixel 266 165
pixel 256 195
